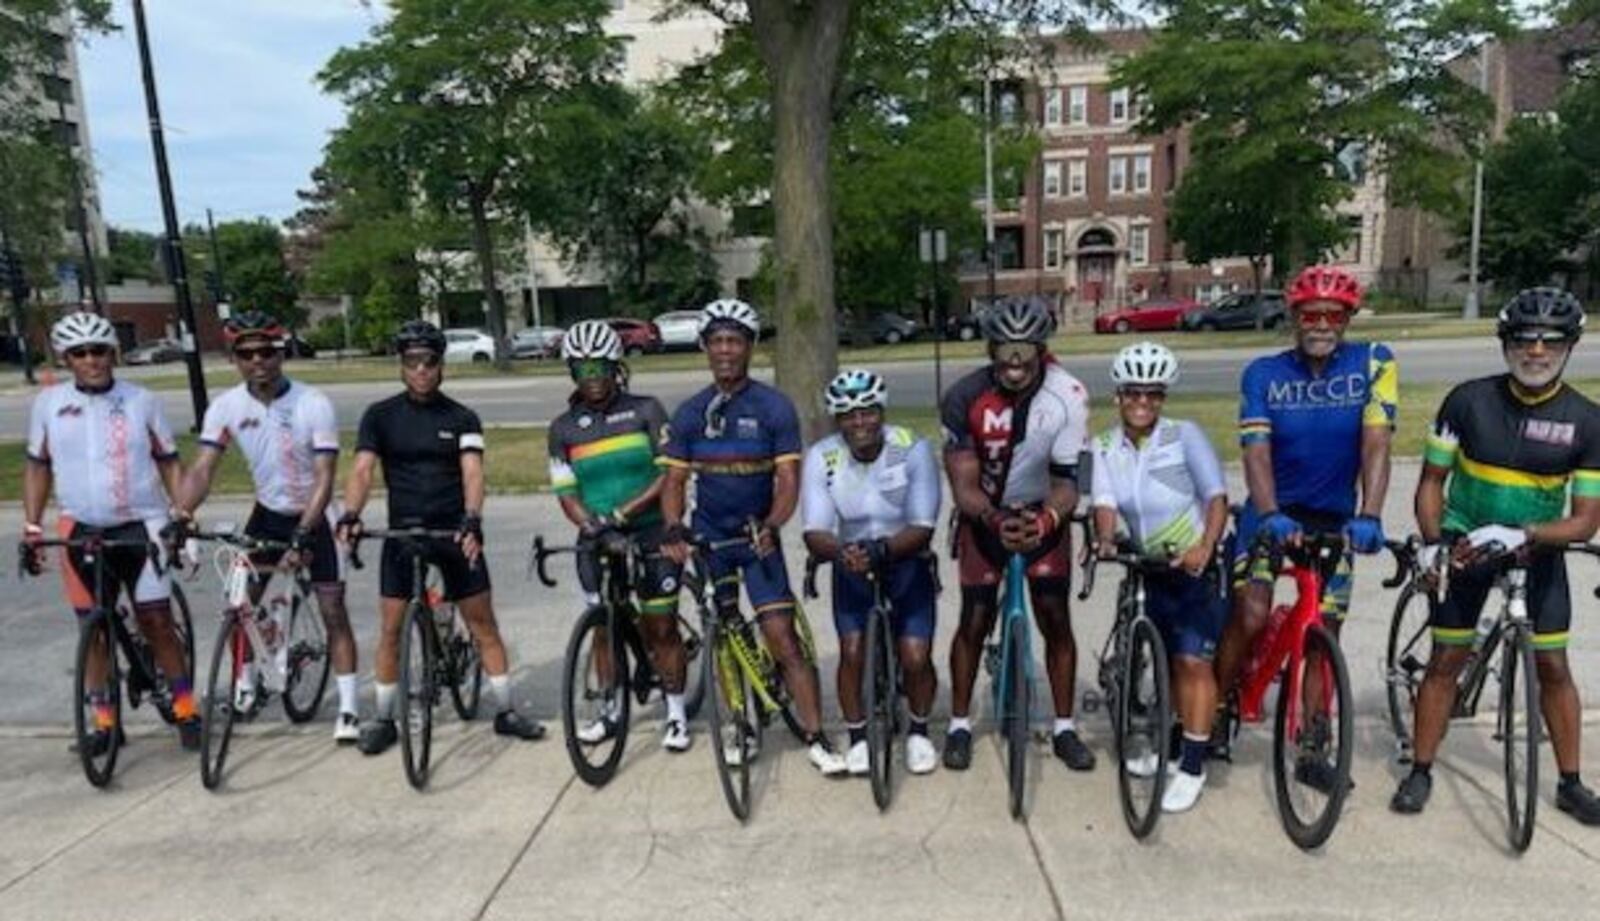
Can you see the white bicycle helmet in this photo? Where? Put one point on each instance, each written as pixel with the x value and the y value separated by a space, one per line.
pixel 855 389
pixel 730 312
pixel 591 339
pixel 82 328
pixel 1145 364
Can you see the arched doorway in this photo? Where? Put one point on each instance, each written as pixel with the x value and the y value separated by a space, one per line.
pixel 1097 265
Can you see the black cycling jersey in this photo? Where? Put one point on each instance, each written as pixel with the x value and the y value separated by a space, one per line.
pixel 420 444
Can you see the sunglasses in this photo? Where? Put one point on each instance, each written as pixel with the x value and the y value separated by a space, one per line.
pixel 415 360
pixel 1012 353
pixel 262 353
pixel 1142 395
pixel 589 368
pixel 96 351
pixel 1333 319
pixel 717 416
pixel 1550 338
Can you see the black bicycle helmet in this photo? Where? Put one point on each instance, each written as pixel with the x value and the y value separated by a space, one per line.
pixel 1541 308
pixel 1018 320
pixel 419 334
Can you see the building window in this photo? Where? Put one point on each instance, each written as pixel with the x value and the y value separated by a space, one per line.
pixel 1053 240
pixel 1139 244
pixel 56 89
pixel 1119 175
pixel 1141 173
pixel 1008 248
pixel 1052 106
pixel 65 132
pixel 1052 179
pixel 1078 105
pixel 1172 166
pixel 1077 178
pixel 1350 252
pixel 1119 106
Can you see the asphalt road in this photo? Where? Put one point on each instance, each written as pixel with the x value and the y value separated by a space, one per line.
pixel 536 400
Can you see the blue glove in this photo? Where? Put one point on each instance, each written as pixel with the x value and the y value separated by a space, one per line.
pixel 1365 533
pixel 1280 527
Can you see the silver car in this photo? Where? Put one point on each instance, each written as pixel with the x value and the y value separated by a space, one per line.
pixel 680 329
pixel 537 342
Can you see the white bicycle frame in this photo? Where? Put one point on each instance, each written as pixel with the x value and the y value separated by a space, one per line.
pixel 270 660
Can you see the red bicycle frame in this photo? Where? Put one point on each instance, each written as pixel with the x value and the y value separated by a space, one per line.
pixel 1288 642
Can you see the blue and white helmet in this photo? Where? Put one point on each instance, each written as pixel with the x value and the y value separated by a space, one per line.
pixel 854 389
pixel 730 312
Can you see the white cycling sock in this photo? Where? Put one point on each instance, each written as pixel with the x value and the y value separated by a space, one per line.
pixel 960 722
pixel 1066 724
pixel 349 700
pixel 500 686
pixel 591 598
pixel 675 710
pixel 386 693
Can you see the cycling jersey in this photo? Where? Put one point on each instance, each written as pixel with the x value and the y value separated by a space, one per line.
pixel 1512 462
pixel 604 458
pixel 733 443
pixel 1160 486
pixel 420 443
pixel 1313 422
pixel 857 501
pixel 103 449
pixel 1021 439
pixel 280 440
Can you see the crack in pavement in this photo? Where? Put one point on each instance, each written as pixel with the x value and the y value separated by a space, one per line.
pixel 1056 904
pixel 523 851
pixel 1539 823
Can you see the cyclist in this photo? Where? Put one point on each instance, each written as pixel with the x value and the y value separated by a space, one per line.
pixel 1315 423
pixel 1510 447
pixel 870 501
pixel 741 440
pixel 1163 478
pixel 287 432
pixel 431 448
pixel 604 472
pixel 1014 430
pixel 105 447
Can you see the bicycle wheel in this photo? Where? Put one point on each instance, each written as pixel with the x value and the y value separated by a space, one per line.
pixel 1143 716
pixel 184 624
pixel 418 659
pixel 1311 772
pixel 222 684
pixel 1018 709
pixel 780 690
pixel 466 690
pixel 1410 646
pixel 307 659
pixel 594 690
pixel 1519 737
pixel 694 690
pixel 732 732
pixel 99 708
pixel 880 698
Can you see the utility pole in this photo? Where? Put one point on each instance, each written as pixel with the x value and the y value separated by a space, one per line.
pixel 177 273
pixel 988 176
pixel 218 276
pixel 1469 310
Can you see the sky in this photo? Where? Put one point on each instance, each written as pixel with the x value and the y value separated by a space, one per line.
pixel 245 122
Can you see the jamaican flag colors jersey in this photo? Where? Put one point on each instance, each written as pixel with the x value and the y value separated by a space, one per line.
pixel 733 442
pixel 1313 422
pixel 606 457
pixel 1513 462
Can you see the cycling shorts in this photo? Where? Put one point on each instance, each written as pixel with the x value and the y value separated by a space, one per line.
pixel 1335 592
pixel 264 524
pixel 1188 611
pixel 460 579
pixel 658 576
pixel 1454 618
pixel 129 570
pixel 766 579
pixel 981 559
pixel 912 592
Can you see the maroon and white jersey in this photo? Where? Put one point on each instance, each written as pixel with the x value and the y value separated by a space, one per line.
pixel 1021 439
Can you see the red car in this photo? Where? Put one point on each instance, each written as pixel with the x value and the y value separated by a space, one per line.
pixel 1157 314
pixel 638 336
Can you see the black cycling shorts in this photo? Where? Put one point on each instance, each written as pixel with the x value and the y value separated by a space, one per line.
pixel 660 577
pixel 460 580
pixel 1455 618
pixel 325 567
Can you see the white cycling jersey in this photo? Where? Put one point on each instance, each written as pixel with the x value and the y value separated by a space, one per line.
pixel 1159 486
pixel 280 439
pixel 103 449
pixel 857 501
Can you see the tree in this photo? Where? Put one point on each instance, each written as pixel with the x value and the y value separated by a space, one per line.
pixel 254 273
pixel 457 91
pixel 1273 91
pixel 135 254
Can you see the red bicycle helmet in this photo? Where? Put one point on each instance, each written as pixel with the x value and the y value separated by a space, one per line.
pixel 1324 283
pixel 253 324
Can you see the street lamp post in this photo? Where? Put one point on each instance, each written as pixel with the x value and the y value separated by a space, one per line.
pixel 1469 310
pixel 988 179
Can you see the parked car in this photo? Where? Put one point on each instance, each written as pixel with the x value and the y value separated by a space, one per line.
pixel 537 342
pixel 468 345
pixel 1240 311
pixel 1155 314
pixel 157 352
pixel 680 329
pixel 638 336
pixel 884 328
pixel 966 327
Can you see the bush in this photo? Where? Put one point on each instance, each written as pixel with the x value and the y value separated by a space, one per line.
pixel 328 334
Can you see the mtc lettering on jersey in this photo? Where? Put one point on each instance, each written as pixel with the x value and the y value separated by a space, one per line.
pixel 1343 389
pixel 994 432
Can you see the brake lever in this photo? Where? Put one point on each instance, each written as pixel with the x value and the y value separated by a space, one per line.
pixel 539 557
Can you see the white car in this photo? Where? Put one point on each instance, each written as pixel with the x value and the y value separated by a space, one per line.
pixel 680 329
pixel 468 345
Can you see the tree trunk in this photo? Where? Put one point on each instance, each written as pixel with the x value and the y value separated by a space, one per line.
pixel 483 246
pixel 801 45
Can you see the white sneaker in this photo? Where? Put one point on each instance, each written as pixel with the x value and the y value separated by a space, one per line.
pixel 346 729
pixel 732 755
pixel 676 738
pixel 1143 765
pixel 595 731
pixel 825 759
pixel 921 758
pixel 858 759
pixel 1183 791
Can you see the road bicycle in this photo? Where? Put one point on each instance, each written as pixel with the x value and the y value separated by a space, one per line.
pixel 607 666
pixel 1008 660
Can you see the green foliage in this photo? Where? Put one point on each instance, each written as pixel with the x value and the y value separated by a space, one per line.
pixel 255 274
pixel 34 176
pixel 135 255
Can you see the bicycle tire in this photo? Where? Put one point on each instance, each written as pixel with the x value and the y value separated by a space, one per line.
pixel 305 650
pixel 184 624
pixel 1311 832
pixel 96 629
pixel 728 696
pixel 1517 656
pixel 1143 715
pixel 694 691
pixel 880 697
pixel 1405 663
pixel 418 661
pixel 216 726
pixel 580 684
pixel 1018 709
pixel 466 669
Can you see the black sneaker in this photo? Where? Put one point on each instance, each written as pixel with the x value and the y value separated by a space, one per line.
pixel 1580 801
pixel 377 736
pixel 99 742
pixel 958 750
pixel 189 734
pixel 1072 752
pixel 511 723
pixel 1413 794
pixel 1319 775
